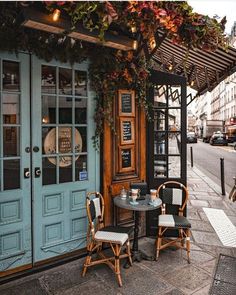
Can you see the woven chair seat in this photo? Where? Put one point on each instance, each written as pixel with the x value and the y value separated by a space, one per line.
pixel 119 229
pixel 112 237
pixel 170 220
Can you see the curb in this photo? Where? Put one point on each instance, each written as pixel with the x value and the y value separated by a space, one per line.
pixel 208 181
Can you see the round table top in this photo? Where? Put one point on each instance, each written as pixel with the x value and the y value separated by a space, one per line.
pixel 143 205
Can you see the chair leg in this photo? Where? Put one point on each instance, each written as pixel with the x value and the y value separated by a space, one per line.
pixel 188 244
pixel 158 243
pixel 181 235
pixel 88 258
pixel 117 264
pixel 129 252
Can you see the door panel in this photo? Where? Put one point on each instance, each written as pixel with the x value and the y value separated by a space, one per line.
pixel 65 164
pixel 166 142
pixel 15 189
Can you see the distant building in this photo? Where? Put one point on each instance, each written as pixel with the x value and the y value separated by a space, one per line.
pixel 233 35
pixel 202 111
pixel 191 121
pixel 220 104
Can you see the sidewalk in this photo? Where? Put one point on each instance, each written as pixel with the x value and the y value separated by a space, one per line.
pixel 171 274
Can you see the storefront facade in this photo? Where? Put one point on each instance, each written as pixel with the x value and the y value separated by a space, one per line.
pixel 51 119
pixel 47 159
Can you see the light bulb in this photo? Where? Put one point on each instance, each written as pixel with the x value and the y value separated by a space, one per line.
pixel 135 45
pixel 152 43
pixel 56 14
pixel 133 29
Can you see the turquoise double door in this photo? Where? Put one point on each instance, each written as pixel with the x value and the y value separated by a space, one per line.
pixel 47 159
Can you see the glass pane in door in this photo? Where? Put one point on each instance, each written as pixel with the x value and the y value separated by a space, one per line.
pixel 11 108
pixel 11 172
pixel 11 76
pixel 64 126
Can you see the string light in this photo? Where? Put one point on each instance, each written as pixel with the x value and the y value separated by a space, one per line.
pixel 135 45
pixel 152 42
pixel 56 14
pixel 192 83
pixel 133 29
pixel 170 67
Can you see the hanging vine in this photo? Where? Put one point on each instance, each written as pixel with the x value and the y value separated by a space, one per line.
pixel 110 69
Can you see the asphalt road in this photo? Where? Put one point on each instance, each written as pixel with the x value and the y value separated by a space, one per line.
pixel 207 159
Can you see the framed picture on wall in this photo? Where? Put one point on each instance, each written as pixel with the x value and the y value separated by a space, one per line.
pixel 126 103
pixel 127 131
pixel 126 158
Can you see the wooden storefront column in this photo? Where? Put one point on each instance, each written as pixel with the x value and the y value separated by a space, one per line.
pixel 112 182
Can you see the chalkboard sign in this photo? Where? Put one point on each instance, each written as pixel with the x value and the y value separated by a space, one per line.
pixel 126 155
pixel 127 130
pixel 126 103
pixel 126 158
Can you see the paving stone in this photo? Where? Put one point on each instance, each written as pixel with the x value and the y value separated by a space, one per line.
pixel 215 194
pixel 174 292
pixel 26 288
pixel 189 279
pixel 199 203
pixel 203 215
pixel 208 197
pixel 206 238
pixel 217 250
pixel 91 287
pixel 201 226
pixel 197 193
pixel 199 256
pixel 203 291
pixel 169 259
pixel 192 197
pixel 209 266
pixel 218 205
pixel 137 280
pixel 193 214
pixel 65 277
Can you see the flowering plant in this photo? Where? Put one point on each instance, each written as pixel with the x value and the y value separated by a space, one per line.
pixel 111 69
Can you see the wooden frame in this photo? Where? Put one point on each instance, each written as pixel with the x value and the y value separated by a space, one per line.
pixel 127 131
pixel 123 158
pixel 126 103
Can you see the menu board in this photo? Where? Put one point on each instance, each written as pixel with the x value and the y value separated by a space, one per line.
pixel 127 130
pixel 126 103
pixel 126 155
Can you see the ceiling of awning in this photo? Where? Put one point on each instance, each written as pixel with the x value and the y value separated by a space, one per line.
pixel 203 70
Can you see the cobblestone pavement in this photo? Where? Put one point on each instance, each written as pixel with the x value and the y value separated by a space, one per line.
pixel 171 274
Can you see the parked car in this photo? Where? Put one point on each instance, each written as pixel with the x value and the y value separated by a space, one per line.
pixel 218 139
pixel 191 137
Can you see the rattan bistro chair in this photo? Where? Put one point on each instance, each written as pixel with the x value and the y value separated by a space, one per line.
pixel 97 235
pixel 173 193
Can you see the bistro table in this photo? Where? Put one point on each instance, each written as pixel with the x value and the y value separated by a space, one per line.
pixel 143 205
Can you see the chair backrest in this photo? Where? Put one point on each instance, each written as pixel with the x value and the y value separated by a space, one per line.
pixel 95 211
pixel 173 193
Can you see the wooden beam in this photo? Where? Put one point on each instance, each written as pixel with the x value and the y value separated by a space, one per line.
pixel 39 21
pixel 207 78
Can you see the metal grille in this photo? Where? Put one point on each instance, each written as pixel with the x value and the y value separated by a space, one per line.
pixel 224 281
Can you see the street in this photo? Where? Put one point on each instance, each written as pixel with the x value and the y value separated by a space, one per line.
pixel 207 159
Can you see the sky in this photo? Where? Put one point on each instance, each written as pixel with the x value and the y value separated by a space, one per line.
pixel 216 7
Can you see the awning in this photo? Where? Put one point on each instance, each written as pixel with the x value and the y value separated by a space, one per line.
pixel 202 70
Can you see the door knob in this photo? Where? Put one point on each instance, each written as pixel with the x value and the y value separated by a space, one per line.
pixel 35 149
pixel 26 173
pixel 27 149
pixel 37 172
